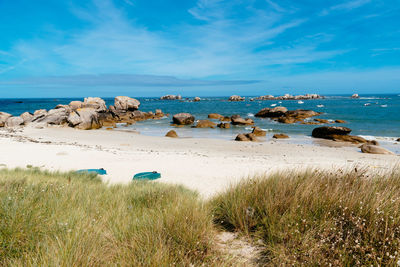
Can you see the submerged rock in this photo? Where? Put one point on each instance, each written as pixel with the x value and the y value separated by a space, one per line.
pixel 172 134
pixel 183 119
pixel 224 125
pixel 372 149
pixel 215 116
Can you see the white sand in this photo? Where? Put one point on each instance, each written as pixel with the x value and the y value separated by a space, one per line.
pixel 205 165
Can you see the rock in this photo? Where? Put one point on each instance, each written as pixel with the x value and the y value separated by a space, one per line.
pixel 223 125
pixel 74 105
pixel 290 97
pixel 172 134
pixel 98 104
pixel 398 140
pixel 280 136
pixel 355 96
pixel 322 121
pixel 287 120
pixel 272 112
pixel 301 114
pixel 237 120
pixel 125 103
pixel 340 121
pixel 225 119
pixel 327 132
pixel 215 116
pixel 14 122
pixel 205 124
pixel 183 118
pixel 258 131
pixel 171 97
pixel 196 99
pixel 246 137
pixel 53 116
pixel 372 149
pixel 38 114
pixel 373 142
pixel 84 119
pixel 27 117
pixel 236 98
pixel 3 118
pixel 159 113
pixel 349 138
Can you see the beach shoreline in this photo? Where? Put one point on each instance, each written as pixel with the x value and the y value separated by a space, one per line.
pixel 206 165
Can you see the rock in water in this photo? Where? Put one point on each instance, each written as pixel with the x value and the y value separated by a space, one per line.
pixel 171 97
pixel 272 112
pixel 237 120
pixel 236 98
pixel 205 124
pixel 280 136
pixel 3 118
pixel 326 132
pixel 215 116
pixel 355 96
pixel 14 121
pixel 125 103
pixel 172 134
pixel 372 149
pixel 183 119
pixel 224 125
pixel 197 99
pixel 258 131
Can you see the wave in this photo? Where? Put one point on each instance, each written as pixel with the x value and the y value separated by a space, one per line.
pixel 250 115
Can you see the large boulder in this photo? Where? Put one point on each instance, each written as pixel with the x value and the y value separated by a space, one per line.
pixel 39 114
pixel 327 132
pixel 84 119
pixel 236 98
pixel 258 131
pixel 215 116
pixel 96 103
pixel 74 105
pixel 27 117
pixel 3 118
pixel 272 112
pixel 172 134
pixel 205 124
pixel 126 103
pixel 237 120
pixel 54 116
pixel 350 138
pixel 183 119
pixel 14 121
pixel 372 149
pixel 301 114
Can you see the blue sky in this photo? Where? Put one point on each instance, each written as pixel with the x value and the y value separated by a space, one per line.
pixel 204 47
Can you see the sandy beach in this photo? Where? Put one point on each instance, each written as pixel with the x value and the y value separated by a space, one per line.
pixel 205 165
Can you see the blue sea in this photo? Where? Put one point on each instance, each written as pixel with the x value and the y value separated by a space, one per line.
pixel 370 116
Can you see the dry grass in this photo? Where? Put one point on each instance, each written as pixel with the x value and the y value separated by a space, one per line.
pixel 317 218
pixel 65 219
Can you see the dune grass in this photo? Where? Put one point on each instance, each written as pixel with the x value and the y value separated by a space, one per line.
pixel 67 219
pixel 315 218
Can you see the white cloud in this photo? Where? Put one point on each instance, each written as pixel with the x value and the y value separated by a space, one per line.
pixel 345 6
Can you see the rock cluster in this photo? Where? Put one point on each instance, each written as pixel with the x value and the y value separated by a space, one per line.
pixel 289 97
pixel 92 113
pixel 355 96
pixel 283 115
pixel 171 97
pixel 236 98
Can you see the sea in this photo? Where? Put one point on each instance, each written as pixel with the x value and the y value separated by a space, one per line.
pixel 370 116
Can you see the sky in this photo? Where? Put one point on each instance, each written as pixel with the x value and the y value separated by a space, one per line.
pixel 72 48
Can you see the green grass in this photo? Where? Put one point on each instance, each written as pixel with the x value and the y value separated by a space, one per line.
pixel 317 218
pixel 67 219
pixel 309 218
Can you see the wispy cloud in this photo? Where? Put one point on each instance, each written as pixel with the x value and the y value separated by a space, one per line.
pixel 122 80
pixel 345 6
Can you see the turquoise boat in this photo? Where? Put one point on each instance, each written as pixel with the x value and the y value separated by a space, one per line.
pixel 147 176
pixel 96 171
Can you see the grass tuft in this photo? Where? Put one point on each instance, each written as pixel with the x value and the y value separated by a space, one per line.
pixel 68 219
pixel 344 218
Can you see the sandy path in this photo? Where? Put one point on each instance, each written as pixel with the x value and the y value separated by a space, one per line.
pixel 205 165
